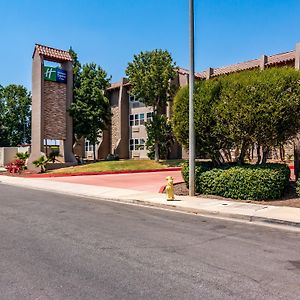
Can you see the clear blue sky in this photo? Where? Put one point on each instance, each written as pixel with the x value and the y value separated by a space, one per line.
pixel 110 32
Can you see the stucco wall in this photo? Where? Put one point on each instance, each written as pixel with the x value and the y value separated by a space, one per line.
pixel 7 154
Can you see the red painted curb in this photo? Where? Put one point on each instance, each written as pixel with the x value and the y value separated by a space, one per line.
pixel 104 173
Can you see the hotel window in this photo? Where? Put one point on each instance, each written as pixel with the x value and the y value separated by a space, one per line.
pixel 137 119
pixel 149 116
pixel 88 146
pixel 142 119
pixel 131 146
pixel 142 144
pixel 131 120
pixel 136 144
pixel 133 98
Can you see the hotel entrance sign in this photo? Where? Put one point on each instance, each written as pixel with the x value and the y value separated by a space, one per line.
pixel 52 95
pixel 55 74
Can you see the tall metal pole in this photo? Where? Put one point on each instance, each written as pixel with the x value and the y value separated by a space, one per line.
pixel 191 105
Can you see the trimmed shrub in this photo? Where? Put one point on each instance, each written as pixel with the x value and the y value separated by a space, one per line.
pixel 253 182
pixel 298 187
pixel 199 169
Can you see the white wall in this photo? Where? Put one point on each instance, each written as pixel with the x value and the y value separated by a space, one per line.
pixel 7 154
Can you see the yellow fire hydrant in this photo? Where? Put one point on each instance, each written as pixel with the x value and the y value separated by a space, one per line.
pixel 170 189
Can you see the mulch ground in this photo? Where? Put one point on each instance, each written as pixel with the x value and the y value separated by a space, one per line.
pixel 290 198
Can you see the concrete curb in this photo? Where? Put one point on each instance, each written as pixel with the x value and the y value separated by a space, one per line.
pixel 253 213
pixel 231 216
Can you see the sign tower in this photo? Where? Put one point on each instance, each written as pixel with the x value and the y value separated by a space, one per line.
pixel 52 95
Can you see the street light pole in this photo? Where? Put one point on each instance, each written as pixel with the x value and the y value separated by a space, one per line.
pixel 191 105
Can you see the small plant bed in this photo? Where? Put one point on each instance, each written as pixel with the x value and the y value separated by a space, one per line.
pixel 290 197
pixel 117 166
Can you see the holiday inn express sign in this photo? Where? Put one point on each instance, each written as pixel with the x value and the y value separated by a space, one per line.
pixel 55 74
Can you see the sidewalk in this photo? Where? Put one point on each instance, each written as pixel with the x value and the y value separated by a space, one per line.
pixel 209 207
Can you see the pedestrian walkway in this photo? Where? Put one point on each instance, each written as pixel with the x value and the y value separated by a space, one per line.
pixel 146 182
pixel 209 207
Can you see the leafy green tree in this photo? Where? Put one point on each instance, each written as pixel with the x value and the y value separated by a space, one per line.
pixel 242 109
pixel 76 69
pixel 15 119
pixel 150 74
pixel 278 115
pixel 91 109
pixel 260 107
pixel 236 109
pixel 3 130
pixel 159 131
pixel 211 138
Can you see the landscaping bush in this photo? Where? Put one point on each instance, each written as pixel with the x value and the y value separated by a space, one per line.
pixel 111 157
pixel 15 166
pixel 239 110
pixel 253 182
pixel 298 188
pixel 52 155
pixel 199 169
pixel 41 162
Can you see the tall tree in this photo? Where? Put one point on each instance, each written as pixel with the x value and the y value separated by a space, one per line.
pixel 91 109
pixel 159 132
pixel 150 74
pixel 242 109
pixel 3 131
pixel 211 136
pixel 15 120
pixel 76 68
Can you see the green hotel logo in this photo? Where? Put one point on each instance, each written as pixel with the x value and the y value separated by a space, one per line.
pixel 50 73
pixel 55 74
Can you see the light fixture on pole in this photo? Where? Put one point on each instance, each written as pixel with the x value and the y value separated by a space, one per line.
pixel 191 104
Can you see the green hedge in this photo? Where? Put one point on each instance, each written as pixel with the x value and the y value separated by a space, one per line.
pixel 253 182
pixel 298 187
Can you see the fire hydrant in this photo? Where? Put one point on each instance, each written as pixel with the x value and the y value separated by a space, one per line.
pixel 170 189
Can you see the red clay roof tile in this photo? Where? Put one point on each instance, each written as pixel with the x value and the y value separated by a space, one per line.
pixel 52 53
pixel 276 59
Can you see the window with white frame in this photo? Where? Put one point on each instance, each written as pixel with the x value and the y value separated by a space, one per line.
pixel 136 144
pixel 142 119
pixel 149 116
pixel 133 98
pixel 137 119
pixel 88 146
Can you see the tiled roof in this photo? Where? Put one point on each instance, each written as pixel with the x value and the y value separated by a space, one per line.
pixel 247 65
pixel 280 58
pixel 52 53
pixel 276 59
pixel 186 72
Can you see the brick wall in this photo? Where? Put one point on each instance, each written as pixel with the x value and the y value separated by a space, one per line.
pixel 54 110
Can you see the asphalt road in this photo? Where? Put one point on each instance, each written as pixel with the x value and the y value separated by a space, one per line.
pixel 60 247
